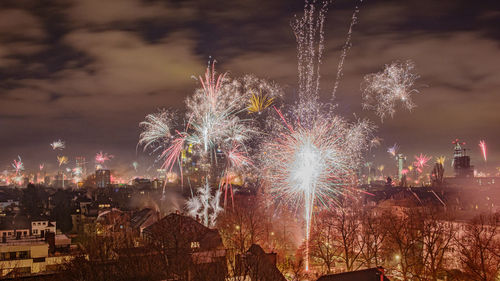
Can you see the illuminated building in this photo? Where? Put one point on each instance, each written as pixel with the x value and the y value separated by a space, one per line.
pixel 102 178
pixel 81 164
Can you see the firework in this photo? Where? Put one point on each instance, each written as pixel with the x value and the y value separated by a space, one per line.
pixel 258 103
pixel 62 160
pixel 421 161
pixel 345 49
pixel 482 145
pixel 135 165
pixel 440 160
pixel 156 129
pixel 41 166
pixel 393 150
pixel 58 145
pixel 101 157
pixel 18 165
pixel 383 90
pixel 205 205
pixel 311 162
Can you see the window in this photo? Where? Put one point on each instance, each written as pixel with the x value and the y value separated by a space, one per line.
pixel 195 245
pixel 39 259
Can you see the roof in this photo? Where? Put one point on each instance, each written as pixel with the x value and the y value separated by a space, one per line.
pixel 14 222
pixel 261 266
pixel 139 218
pixel 185 228
pixel 371 274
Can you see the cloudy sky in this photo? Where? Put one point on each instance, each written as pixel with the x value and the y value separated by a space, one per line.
pixel 88 71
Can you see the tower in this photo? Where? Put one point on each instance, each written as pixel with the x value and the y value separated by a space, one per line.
pixel 461 162
pixel 401 162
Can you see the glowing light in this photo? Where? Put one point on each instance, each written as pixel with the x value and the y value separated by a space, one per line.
pixel 383 90
pixel 156 129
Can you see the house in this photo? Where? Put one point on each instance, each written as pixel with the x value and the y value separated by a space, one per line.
pixel 190 249
pixel 42 226
pixel 142 219
pixel 15 226
pixel 371 274
pixel 257 265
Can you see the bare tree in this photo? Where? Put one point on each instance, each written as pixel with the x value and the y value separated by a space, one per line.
pixel 374 237
pixel 479 248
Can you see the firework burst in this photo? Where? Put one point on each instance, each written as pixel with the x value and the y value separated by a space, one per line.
pixel 18 165
pixel 205 206
pixel 156 129
pixel 311 162
pixel 58 145
pixel 440 160
pixel 383 90
pixel 62 160
pixel 421 162
pixel 393 150
pixel 101 158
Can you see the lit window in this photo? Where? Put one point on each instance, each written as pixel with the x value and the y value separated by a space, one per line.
pixel 195 245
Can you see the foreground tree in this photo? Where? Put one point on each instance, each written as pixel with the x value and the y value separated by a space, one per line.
pixel 479 248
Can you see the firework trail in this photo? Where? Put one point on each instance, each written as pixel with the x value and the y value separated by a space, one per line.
pixel 383 90
pixel 393 150
pixel 345 49
pixel 101 157
pixel 135 165
pixel 309 35
pixel 482 145
pixel 421 161
pixel 41 166
pixel 18 165
pixel 58 145
pixel 375 142
pixel 62 160
pixel 204 205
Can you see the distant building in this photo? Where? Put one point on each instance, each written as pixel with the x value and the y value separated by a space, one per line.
pixel 59 180
pixel 81 164
pixel 461 162
pixel 102 178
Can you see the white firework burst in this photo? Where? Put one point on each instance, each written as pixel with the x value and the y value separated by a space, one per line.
pixel 382 91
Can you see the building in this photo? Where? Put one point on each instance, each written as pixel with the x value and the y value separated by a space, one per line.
pixel 461 162
pixel 81 165
pixel 190 248
pixel 102 178
pixel 41 227
pixel 30 256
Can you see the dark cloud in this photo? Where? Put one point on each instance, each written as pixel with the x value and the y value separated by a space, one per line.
pixel 87 71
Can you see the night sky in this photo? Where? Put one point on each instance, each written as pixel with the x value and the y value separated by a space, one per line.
pixel 88 71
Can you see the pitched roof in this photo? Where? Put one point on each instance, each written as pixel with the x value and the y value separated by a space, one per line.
pixel 371 274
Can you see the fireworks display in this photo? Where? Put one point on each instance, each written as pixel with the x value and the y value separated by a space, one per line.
pixel 382 91
pixel 440 160
pixel 58 145
pixel 393 150
pixel 101 157
pixel 205 205
pixel 421 161
pixel 18 165
pixel 482 145
pixel 62 160
pixel 156 129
